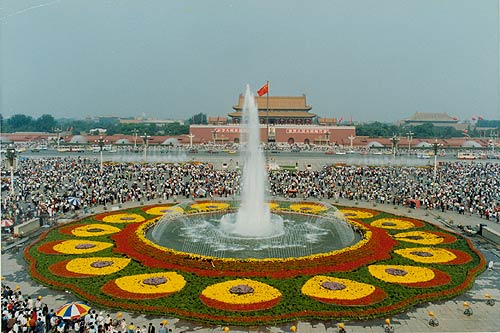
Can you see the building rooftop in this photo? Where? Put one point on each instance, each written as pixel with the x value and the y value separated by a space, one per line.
pixel 277 114
pixel 277 103
pixel 430 117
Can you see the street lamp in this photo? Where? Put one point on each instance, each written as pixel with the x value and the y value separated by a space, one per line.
pixel 394 141
pixel 190 136
pixel 494 135
pixel 58 131
pixel 145 138
pixel 435 147
pixel 410 137
pixel 101 142
pixel 11 156
pixel 351 139
pixel 135 132
pixel 214 136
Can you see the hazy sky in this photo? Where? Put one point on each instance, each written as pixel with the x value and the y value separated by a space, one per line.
pixel 366 59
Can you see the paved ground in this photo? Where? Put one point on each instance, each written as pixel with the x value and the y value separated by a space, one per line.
pixel 449 313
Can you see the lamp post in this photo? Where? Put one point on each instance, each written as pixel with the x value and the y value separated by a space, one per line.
pixel 410 137
pixel 494 135
pixel 394 141
pixel 101 142
pixel 214 136
pixel 190 136
pixel 145 138
pixel 435 147
pixel 58 131
pixel 135 132
pixel 11 156
pixel 351 139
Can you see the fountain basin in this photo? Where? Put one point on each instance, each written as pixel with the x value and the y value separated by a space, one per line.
pixel 273 260
pixel 213 234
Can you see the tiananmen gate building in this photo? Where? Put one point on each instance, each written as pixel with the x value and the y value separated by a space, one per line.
pixel 283 119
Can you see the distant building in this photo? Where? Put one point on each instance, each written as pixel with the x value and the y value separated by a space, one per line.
pixel 283 119
pixel 277 110
pixel 436 119
pixel 157 122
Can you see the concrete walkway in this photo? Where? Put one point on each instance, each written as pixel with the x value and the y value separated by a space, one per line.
pixel 449 313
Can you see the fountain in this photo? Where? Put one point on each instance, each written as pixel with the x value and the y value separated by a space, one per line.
pixel 253 231
pixel 253 197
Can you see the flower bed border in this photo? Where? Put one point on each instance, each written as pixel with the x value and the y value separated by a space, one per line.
pixel 264 318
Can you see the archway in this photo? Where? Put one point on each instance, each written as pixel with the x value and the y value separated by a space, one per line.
pixel 291 141
pixel 306 141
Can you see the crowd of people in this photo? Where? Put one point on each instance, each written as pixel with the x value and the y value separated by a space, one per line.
pixel 24 314
pixel 49 187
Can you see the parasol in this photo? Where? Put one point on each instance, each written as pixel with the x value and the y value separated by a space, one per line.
pixel 73 310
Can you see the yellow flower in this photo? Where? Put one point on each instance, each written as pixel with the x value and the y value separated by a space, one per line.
pixel 308 207
pixel 210 206
pixel 153 283
pixel 273 205
pixel 419 237
pixel 427 255
pixel 389 223
pixel 401 273
pixel 356 214
pixel 97 265
pixel 327 287
pixel 76 246
pixel 222 292
pixel 123 218
pixel 91 230
pixel 160 210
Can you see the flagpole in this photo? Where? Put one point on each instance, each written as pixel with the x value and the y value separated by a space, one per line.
pixel 267 115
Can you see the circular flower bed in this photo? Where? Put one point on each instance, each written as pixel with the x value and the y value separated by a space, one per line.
pixel 357 213
pixel 240 295
pixel 123 218
pixel 161 210
pixel 396 224
pixel 434 255
pixel 425 237
pixel 210 206
pixel 308 208
pixel 73 246
pixel 85 267
pixel 409 275
pixel 141 286
pixel 342 291
pixel 89 230
pixel 273 205
pixel 381 274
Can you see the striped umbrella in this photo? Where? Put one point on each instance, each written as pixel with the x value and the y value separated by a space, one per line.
pixel 74 201
pixel 73 310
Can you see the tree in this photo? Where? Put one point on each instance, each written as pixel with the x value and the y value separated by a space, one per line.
pixel 200 118
pixel 20 123
pixel 45 123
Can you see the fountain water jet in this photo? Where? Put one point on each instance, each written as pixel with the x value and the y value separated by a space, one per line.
pixel 252 231
pixel 254 218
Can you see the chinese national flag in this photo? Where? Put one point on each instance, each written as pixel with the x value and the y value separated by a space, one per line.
pixel 262 91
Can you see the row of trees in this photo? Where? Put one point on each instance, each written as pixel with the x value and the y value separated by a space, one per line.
pixel 23 123
pixel 47 123
pixel 378 129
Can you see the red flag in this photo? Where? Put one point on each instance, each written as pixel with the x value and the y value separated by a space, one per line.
pixel 264 90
